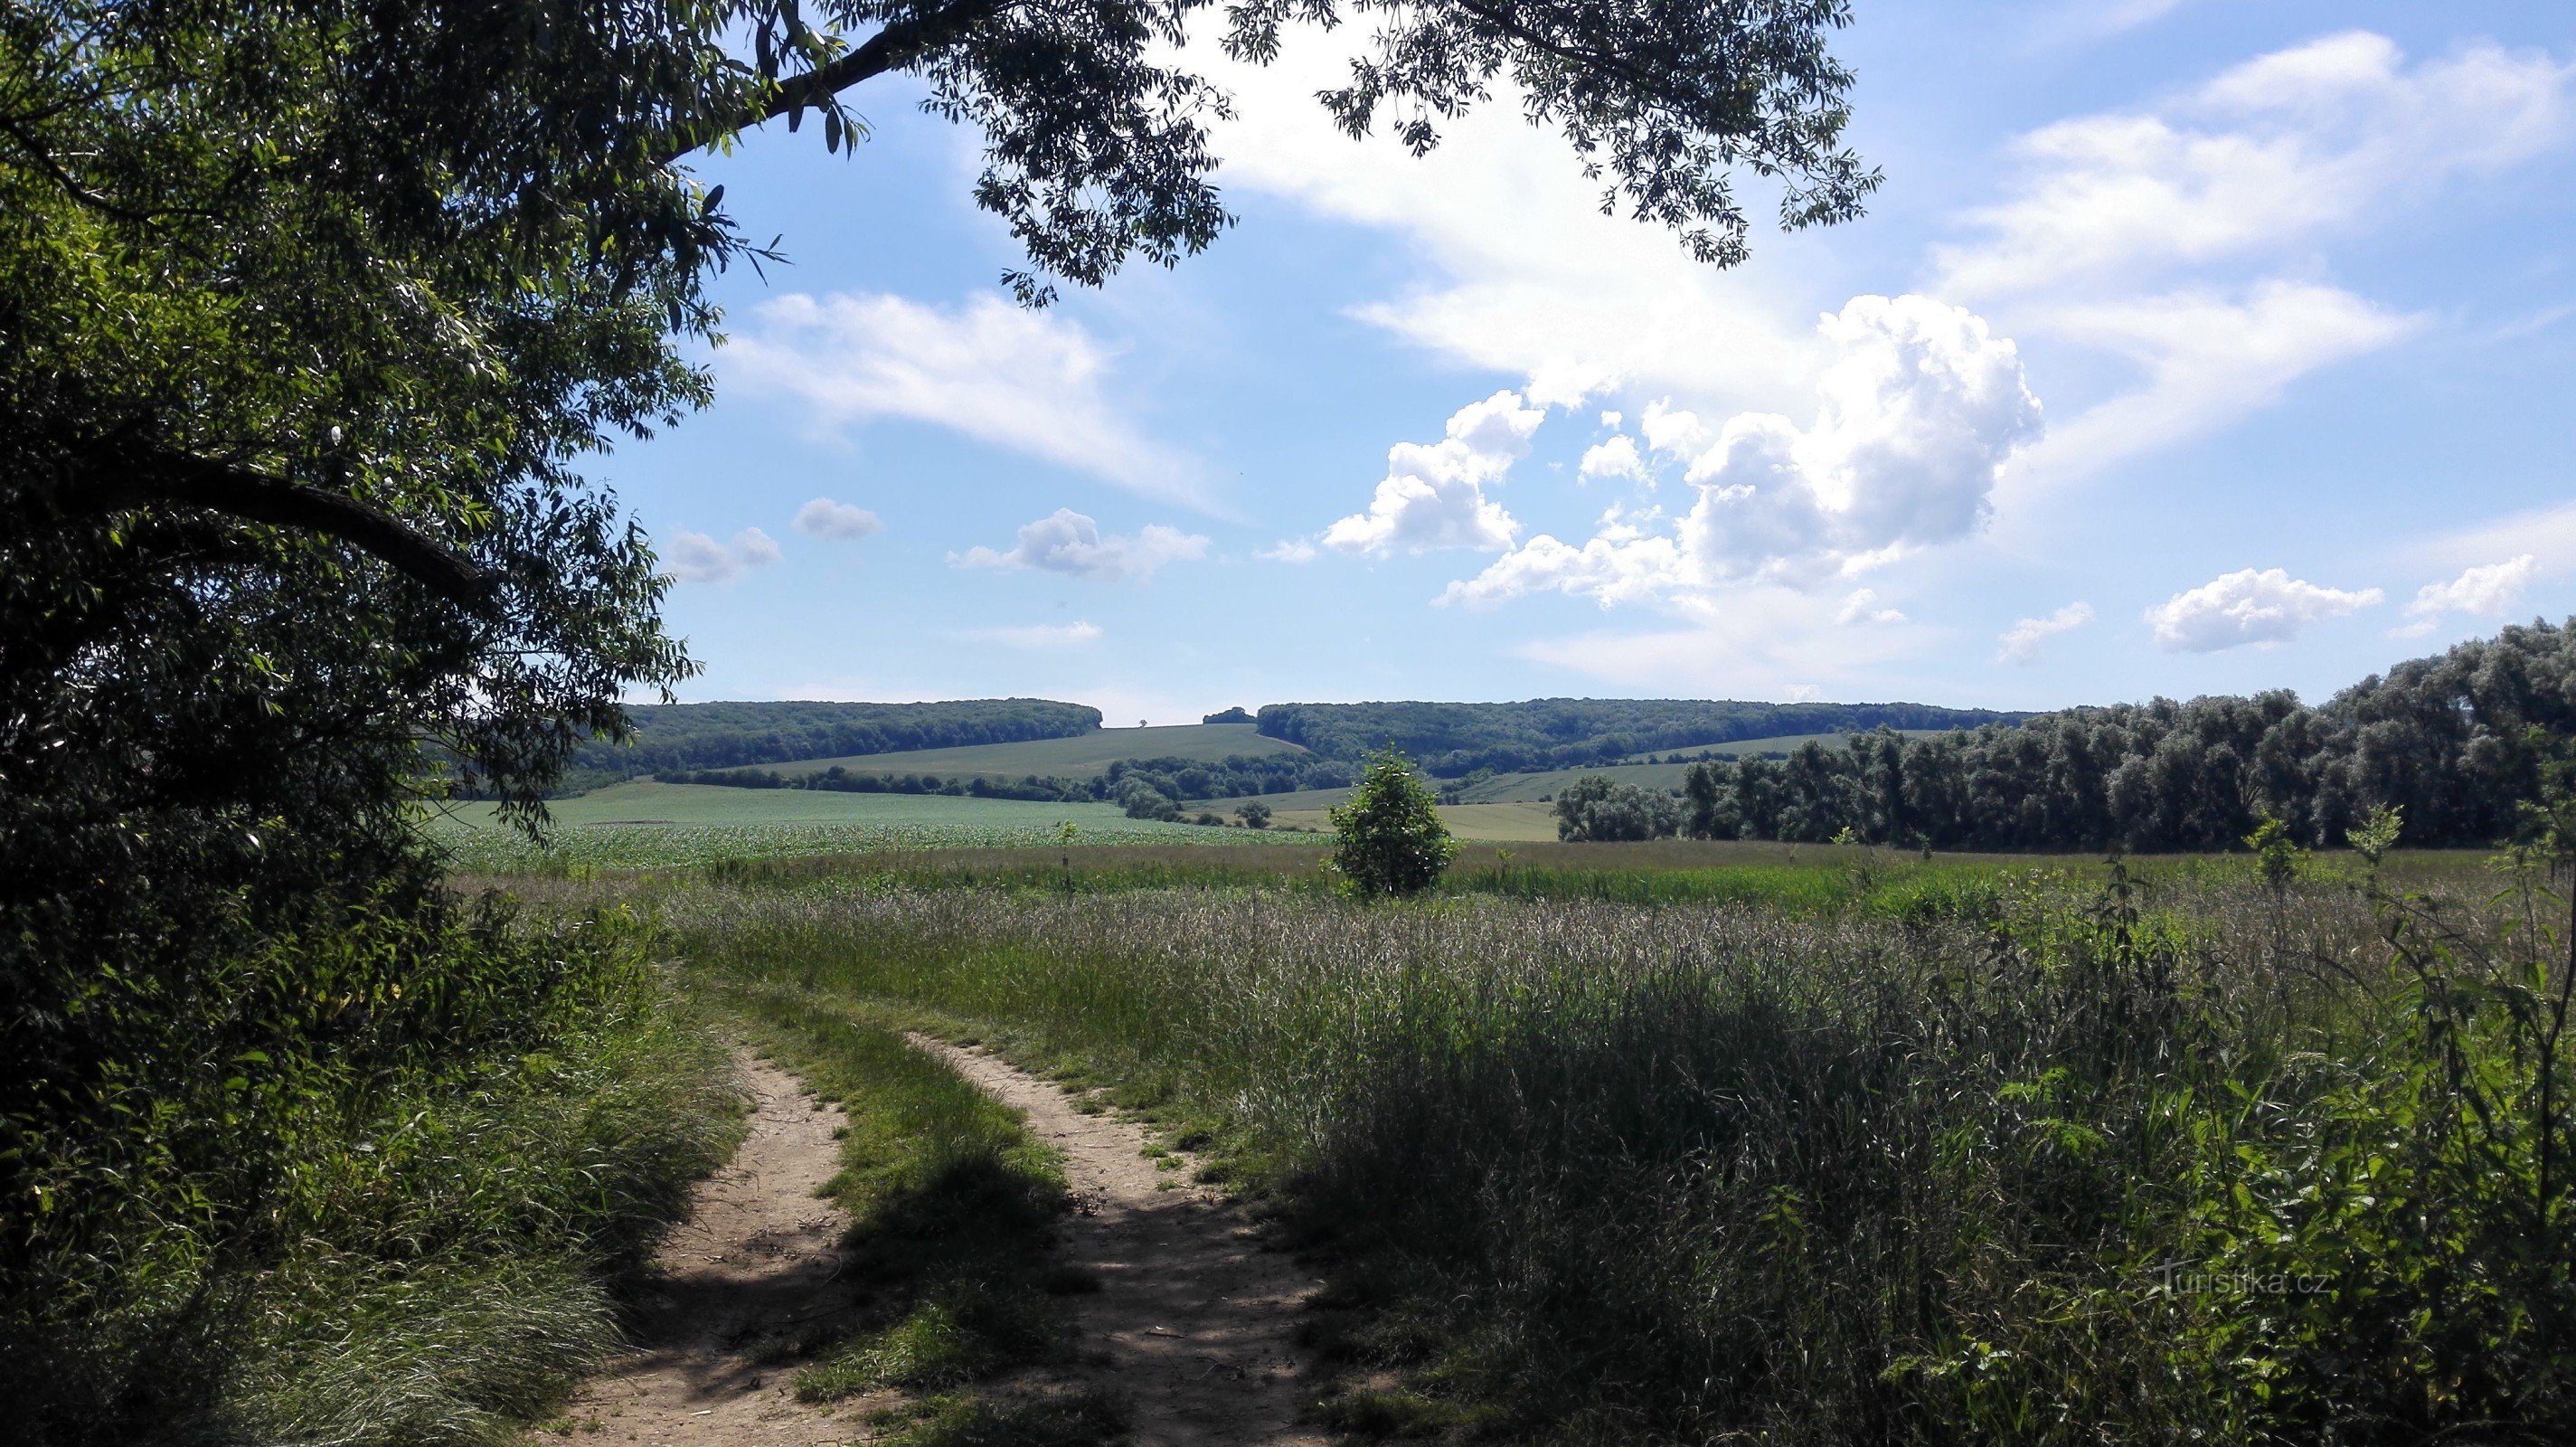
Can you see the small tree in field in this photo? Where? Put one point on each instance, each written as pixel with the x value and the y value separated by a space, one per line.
pixel 1392 840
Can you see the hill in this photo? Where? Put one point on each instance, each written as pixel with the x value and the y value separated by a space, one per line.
pixel 1450 739
pixel 729 735
pixel 1077 757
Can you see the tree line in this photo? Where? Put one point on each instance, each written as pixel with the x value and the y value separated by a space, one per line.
pixel 1171 779
pixel 2455 741
pixel 1448 740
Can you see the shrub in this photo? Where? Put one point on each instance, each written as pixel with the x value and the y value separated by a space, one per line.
pixel 1594 808
pixel 1392 840
pixel 1255 815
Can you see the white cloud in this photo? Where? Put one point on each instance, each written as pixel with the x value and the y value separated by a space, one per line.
pixel 1610 420
pixel 2277 149
pixel 1288 550
pixel 1918 411
pixel 1669 429
pixel 2021 641
pixel 2483 592
pixel 1529 278
pixel 1031 381
pixel 1862 607
pixel 1614 458
pixel 1433 495
pixel 2488 592
pixel 824 518
pixel 2249 607
pixel 1038 636
pixel 2206 360
pixel 697 558
pixel 1068 542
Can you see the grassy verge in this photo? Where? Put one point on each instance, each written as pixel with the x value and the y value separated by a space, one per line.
pixel 954 1207
pixel 407 1236
pixel 2184 1159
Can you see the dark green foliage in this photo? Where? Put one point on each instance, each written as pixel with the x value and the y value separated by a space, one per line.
pixel 1237 714
pixel 1595 809
pixel 361 1187
pixel 700 736
pixel 1390 838
pixel 1452 739
pixel 2447 740
pixel 1175 779
pixel 1255 815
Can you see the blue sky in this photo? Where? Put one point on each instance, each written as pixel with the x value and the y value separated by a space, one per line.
pixel 2189 348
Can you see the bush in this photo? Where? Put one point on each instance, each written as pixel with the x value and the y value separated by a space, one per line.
pixel 1594 808
pixel 1392 840
pixel 1143 801
pixel 1255 815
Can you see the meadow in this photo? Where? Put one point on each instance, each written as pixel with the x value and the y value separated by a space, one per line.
pixel 1701 1142
pixel 1080 756
pixel 644 824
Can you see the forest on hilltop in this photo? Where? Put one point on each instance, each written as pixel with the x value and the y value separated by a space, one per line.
pixel 1451 739
pixel 727 735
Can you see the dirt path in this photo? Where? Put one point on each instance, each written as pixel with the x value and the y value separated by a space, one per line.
pixel 756 1267
pixel 1193 1325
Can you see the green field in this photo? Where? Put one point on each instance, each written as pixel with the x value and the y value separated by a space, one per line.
pixel 1078 757
pixel 642 824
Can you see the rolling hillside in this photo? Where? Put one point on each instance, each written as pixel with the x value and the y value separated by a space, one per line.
pixel 1534 787
pixel 1078 757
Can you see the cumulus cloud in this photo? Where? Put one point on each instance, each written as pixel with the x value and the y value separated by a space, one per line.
pixel 1068 542
pixel 2021 641
pixel 1433 495
pixel 1288 550
pixel 2485 592
pixel 1034 382
pixel 824 518
pixel 1914 416
pixel 1037 636
pixel 2249 607
pixel 2278 148
pixel 1616 457
pixel 697 558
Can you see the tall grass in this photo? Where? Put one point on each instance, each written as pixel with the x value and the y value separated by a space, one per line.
pixel 2032 1159
pixel 394 1221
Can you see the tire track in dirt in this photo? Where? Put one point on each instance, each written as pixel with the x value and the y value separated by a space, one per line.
pixel 756 1268
pixel 1194 1323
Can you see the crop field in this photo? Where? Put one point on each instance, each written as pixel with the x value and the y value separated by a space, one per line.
pixel 1483 823
pixel 1078 757
pixel 642 824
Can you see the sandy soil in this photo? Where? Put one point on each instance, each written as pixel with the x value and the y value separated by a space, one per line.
pixel 1193 1323
pixel 755 1269
pixel 1192 1327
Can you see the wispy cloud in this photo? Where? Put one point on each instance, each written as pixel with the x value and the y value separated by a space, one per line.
pixel 1034 382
